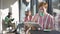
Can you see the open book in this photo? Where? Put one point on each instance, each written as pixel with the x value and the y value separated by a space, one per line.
pixel 33 24
pixel 36 25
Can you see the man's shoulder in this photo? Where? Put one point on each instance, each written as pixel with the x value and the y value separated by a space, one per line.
pixel 36 15
pixel 50 15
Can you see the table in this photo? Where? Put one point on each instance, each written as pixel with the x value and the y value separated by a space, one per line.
pixel 42 32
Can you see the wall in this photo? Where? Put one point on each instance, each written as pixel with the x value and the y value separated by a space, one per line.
pixel 12 6
pixel 0 18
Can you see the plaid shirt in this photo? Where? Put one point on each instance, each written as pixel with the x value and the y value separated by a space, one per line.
pixel 46 21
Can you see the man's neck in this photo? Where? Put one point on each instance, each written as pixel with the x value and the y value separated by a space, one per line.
pixel 43 13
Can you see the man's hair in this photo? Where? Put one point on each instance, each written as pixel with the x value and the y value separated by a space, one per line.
pixel 9 14
pixel 42 4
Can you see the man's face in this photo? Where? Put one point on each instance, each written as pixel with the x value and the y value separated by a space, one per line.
pixel 42 9
pixel 29 12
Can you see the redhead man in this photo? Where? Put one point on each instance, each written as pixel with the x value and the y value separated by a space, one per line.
pixel 45 20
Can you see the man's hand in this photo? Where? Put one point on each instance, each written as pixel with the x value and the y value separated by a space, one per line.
pixel 12 19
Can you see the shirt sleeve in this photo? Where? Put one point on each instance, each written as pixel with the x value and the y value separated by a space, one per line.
pixel 6 19
pixel 52 22
pixel 34 19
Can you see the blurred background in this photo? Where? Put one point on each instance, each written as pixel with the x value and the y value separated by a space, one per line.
pixel 18 8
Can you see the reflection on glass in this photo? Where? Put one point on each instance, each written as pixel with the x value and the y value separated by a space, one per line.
pixel 28 0
pixel 55 5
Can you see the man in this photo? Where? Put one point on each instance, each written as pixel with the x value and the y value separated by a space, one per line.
pixel 8 20
pixel 45 20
